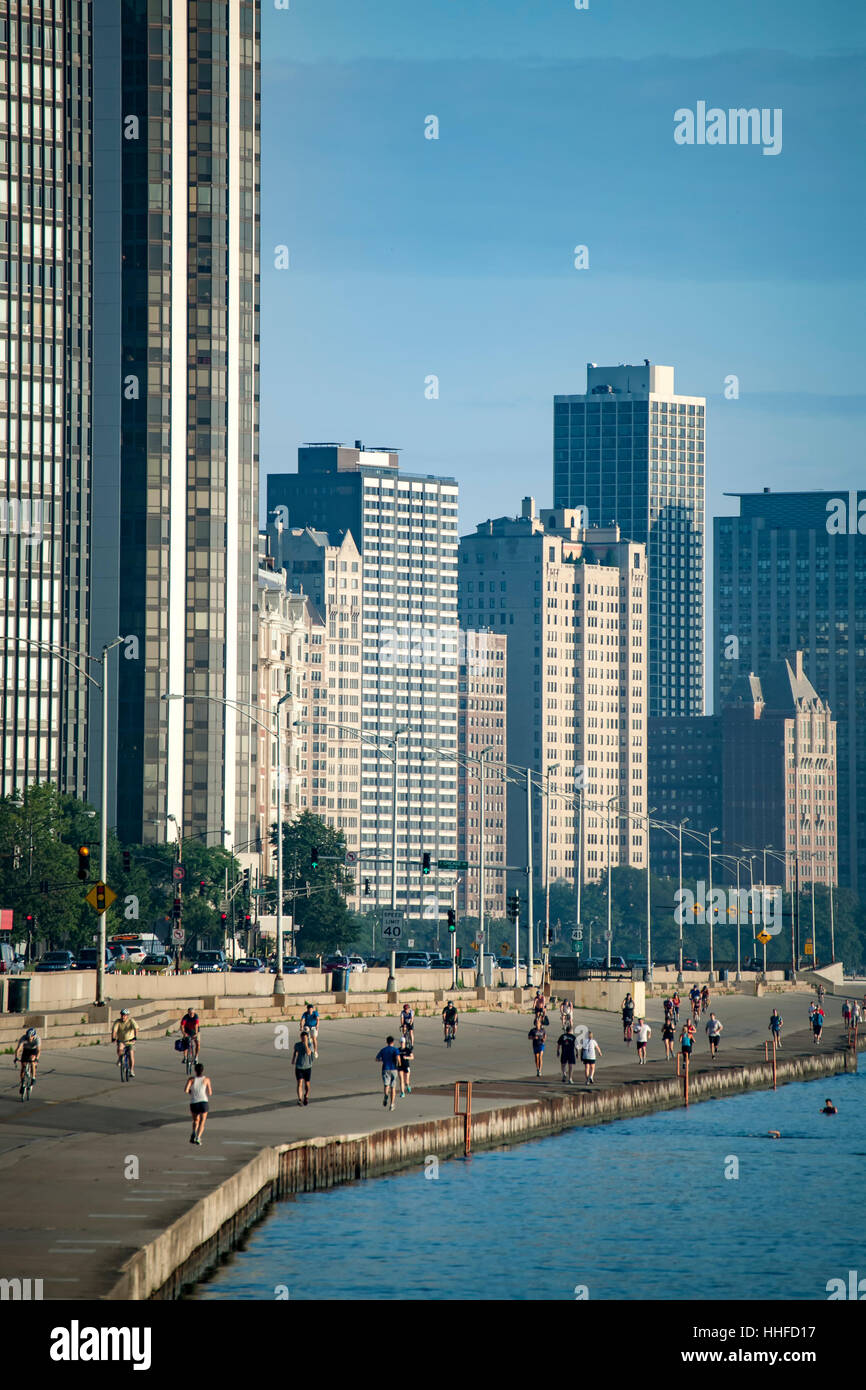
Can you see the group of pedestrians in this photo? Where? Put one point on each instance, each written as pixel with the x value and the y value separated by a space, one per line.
pixel 852 1013
pixel 567 1044
pixel 396 1061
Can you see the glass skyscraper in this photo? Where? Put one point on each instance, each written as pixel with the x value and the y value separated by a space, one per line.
pixel 631 451
pixel 789 574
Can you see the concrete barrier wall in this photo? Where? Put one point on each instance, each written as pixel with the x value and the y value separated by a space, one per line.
pixel 210 1229
pixel 601 994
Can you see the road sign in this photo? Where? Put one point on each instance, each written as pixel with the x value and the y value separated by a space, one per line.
pixel 350 858
pixel 807 948
pixel 178 936
pixel 577 933
pixel 764 937
pixel 392 922
pixel 178 873
pixel 475 945
pixel 452 863
pixel 100 897
pixel 505 948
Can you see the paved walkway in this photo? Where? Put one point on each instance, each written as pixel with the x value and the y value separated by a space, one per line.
pixel 71 1212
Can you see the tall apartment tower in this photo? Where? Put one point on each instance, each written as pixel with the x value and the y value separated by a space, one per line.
pixel 175 439
pixel 573 602
pixel 779 773
pixel 45 361
pixel 326 739
pixel 481 720
pixel 631 451
pixel 790 574
pixel 405 527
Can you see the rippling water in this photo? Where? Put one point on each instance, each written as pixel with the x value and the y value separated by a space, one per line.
pixel 635 1209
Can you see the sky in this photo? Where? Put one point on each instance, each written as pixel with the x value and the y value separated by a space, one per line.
pixel 411 257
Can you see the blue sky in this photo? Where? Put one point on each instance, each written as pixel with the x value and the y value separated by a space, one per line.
pixel 454 257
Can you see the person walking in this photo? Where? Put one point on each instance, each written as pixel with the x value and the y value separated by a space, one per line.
pixel 537 1037
pixel 302 1057
pixel 856 1016
pixel 565 1051
pixel 668 1037
pixel 199 1090
pixel 310 1021
pixel 588 1055
pixel 775 1026
pixel 388 1056
pixel 675 1000
pixel 817 1026
pixel 821 993
pixel 714 1033
pixel 642 1035
pixel 627 1011
pixel 405 1059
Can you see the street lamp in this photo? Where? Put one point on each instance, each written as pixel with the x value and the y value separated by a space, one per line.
pixel 547 795
pixel 614 800
pixel 682 825
pixel 102 661
pixel 482 880
pixel 711 977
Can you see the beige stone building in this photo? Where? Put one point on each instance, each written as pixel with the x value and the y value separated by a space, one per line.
pixel 572 601
pixel 481 724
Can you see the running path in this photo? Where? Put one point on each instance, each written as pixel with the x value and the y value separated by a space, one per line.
pixel 72 1209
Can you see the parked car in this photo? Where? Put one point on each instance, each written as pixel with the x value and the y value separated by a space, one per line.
pixel 248 965
pixel 88 959
pixel 378 963
pixel 209 961
pixel 56 960
pixel 336 962
pixel 419 962
pixel 689 963
pixel 10 964
pixel 357 963
pixel 157 963
pixel 468 963
pixel 440 963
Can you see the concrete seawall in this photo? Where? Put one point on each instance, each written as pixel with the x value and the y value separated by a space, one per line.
pixel 192 1245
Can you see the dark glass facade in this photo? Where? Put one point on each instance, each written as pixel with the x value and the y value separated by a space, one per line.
pixel 790 573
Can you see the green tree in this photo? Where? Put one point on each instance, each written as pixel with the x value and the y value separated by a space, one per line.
pixel 315 895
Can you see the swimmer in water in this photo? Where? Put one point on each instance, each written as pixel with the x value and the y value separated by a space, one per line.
pixel 829 1108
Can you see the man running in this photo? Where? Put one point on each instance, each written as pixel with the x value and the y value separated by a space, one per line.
pixel 538 1009
pixel 29 1047
pixel 537 1037
pixel 642 1035
pixel 302 1056
pixel 449 1018
pixel 407 1024
pixel 714 1033
pixel 588 1055
pixel 124 1033
pixel 310 1021
pixel 775 1027
pixel 189 1028
pixel 199 1090
pixel 565 1051
pixel 404 1065
pixel 627 1009
pixel 388 1056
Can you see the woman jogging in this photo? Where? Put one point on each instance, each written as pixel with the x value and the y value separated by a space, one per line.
pixel 668 1036
pixel 537 1037
pixel 199 1090
pixel 404 1064
pixel 775 1027
pixel 588 1054
pixel 675 1000
pixel 302 1056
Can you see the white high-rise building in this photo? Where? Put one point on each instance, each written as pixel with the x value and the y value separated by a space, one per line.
pixel 405 527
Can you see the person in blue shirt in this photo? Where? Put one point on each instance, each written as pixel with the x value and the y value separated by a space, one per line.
pixel 388 1056
pixel 310 1021
pixel 686 1042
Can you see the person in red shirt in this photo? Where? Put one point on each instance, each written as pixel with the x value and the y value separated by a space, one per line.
pixel 189 1027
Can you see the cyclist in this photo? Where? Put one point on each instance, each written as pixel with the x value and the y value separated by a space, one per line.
pixel 189 1029
pixel 566 1013
pixel 627 1008
pixel 29 1047
pixel 695 997
pixel 407 1024
pixel 124 1033
pixel 705 999
pixel 310 1021
pixel 449 1018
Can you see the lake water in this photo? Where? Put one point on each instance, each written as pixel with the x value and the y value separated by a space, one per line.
pixel 634 1209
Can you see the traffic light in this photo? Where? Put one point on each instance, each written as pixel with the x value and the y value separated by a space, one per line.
pixel 176 909
pixel 314 857
pixel 248 921
pixel 83 863
pixel 366 888
pixel 29 922
pixel 202 888
pixel 127 861
pixel 100 897
pixel 246 881
pixel 425 864
pixel 452 919
pixel 514 908
pixel 456 952
pixel 224 917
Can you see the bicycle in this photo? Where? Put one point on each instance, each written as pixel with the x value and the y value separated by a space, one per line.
pixel 450 1033
pixel 27 1080
pixel 189 1057
pixel 125 1063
